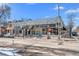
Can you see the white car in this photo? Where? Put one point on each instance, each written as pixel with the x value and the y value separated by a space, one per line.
pixel 8 35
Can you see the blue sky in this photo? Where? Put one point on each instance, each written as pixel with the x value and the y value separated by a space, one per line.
pixel 40 10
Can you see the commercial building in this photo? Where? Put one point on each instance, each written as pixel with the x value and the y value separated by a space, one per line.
pixel 38 26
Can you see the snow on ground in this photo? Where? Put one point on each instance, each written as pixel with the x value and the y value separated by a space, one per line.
pixel 8 52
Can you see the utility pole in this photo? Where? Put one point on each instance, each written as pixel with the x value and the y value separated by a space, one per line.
pixel 58 10
pixel 58 23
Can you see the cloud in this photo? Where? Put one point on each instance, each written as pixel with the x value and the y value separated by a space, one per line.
pixel 72 11
pixel 30 3
pixel 47 16
pixel 60 7
pixel 77 18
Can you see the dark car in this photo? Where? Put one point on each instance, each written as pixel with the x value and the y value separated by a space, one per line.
pixel 74 34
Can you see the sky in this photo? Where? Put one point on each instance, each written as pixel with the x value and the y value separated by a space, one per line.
pixel 41 10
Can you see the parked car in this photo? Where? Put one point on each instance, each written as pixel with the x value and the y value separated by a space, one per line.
pixel 74 34
pixel 8 35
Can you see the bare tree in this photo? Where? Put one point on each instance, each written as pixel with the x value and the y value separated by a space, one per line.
pixel 4 13
pixel 71 17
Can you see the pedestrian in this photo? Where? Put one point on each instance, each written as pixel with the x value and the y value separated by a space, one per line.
pixel 49 32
